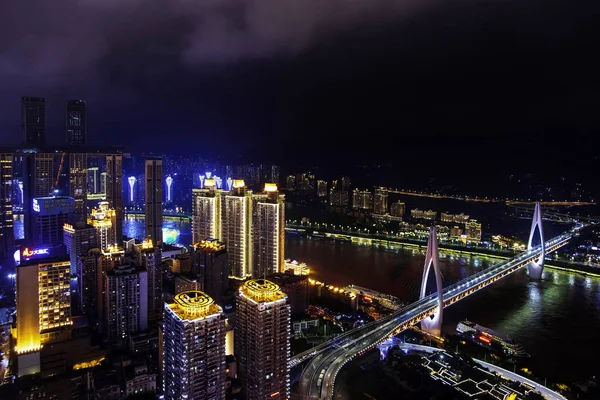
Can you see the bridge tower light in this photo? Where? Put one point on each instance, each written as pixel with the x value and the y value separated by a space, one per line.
pixel 536 267
pixel 433 324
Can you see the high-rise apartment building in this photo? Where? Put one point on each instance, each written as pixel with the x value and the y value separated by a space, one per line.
pixel 321 188
pixel 50 214
pixel 473 230
pixel 150 260
pixel 114 190
pixel 193 348
pixel 104 220
pixel 236 227
pixel 362 199
pixel 268 232
pixel 110 258
pixel 87 281
pixel 79 241
pixel 93 180
pixel 78 189
pixel 209 260
pixel 7 237
pixel 154 194
pixel 126 300
pixel 262 340
pixel 398 209
pixel 33 121
pixel 206 212
pixel 76 123
pixel 380 201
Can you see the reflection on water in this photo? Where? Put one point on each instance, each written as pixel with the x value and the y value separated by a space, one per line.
pixel 557 319
pixel 174 232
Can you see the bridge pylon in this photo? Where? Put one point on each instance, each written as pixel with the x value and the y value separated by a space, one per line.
pixel 536 267
pixel 433 323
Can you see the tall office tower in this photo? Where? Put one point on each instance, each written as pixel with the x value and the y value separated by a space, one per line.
pixel 154 200
pixel 76 121
pixel 78 186
pixel 206 212
pixel 131 180
pixel 380 201
pixel 473 230
pixel 92 178
pixel 33 121
pixel 87 281
pixel 321 188
pixel 398 209
pixel 110 258
pixel 50 215
pixel 7 237
pixel 235 229
pixel 79 241
pixel 114 190
pixel 126 300
pixel 262 340
pixel 193 348
pixel 150 259
pixel 209 260
pixel 104 220
pixel 40 174
pixel 268 232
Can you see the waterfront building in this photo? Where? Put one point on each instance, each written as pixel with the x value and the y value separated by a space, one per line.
pixel 455 232
pixel 338 197
pixel 296 289
pixel 154 200
pixel 398 209
pixel 7 236
pixel 103 219
pixel 321 188
pixel 210 261
pixel 114 191
pixel 263 357
pixel 236 228
pixel 268 232
pixel 362 199
pixel 206 212
pixel 473 230
pixel 454 218
pixel 380 201
pixel 76 123
pixel 33 121
pixel 126 299
pixel 193 344
pixel 50 215
pixel 429 215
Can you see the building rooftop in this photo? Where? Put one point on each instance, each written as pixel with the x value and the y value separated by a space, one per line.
pixel 194 304
pixel 261 291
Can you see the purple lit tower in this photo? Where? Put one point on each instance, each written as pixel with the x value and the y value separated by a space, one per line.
pixel 131 181
pixel 169 182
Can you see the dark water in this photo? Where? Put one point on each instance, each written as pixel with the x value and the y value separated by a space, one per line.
pixel 557 319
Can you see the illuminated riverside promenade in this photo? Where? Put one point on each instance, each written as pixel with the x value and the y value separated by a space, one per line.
pixel 318 377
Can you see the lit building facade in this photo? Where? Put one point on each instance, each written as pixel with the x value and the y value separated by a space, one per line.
pixel 154 193
pixel 473 230
pixel 268 232
pixel 76 123
pixel 113 185
pixel 103 219
pixel 78 186
pixel 362 199
pixel 7 236
pixel 110 258
pixel 33 121
pixel 50 214
pixel 150 259
pixel 206 212
pixel 87 281
pixel 126 300
pixel 210 261
pixel 262 340
pixel 380 201
pixel 193 348
pixel 321 188
pixel 235 228
pixel 398 209
pixel 79 241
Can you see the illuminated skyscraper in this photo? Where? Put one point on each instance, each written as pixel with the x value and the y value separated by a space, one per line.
pixel 193 348
pixel 78 186
pixel 268 232
pixel 45 318
pixel 206 212
pixel 33 122
pixel 79 241
pixel 87 281
pixel 76 121
pixel 380 201
pixel 7 238
pixel 397 209
pixel 104 220
pixel 93 183
pixel 262 340
pixel 321 188
pixel 473 230
pixel 150 259
pixel 236 228
pixel 209 260
pixel 110 258
pixel 50 215
pixel 126 300
pixel 131 181
pixel 169 181
pixel 114 190
pixel 154 200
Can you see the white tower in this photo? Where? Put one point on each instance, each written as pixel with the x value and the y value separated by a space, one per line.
pixel 132 181
pixel 433 323
pixel 169 181
pixel 536 267
pixel 202 177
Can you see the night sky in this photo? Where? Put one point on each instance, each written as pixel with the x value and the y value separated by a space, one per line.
pixel 308 79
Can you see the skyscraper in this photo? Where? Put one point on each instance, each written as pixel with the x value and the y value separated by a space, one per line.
pixel 87 281
pixel 154 200
pixel 150 259
pixel 79 241
pixel 398 209
pixel 268 232
pixel 110 258
pixel 473 230
pixel 210 262
pixel 126 300
pixel 93 180
pixel 263 357
pixel 206 212
pixel 33 121
pixel 193 348
pixel 380 201
pixel 76 123
pixel 7 238
pixel 321 188
pixel 50 215
pixel 235 228
pixel 104 220
pixel 114 190
pixel 78 186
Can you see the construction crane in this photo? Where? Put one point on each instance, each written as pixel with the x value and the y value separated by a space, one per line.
pixel 60 167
